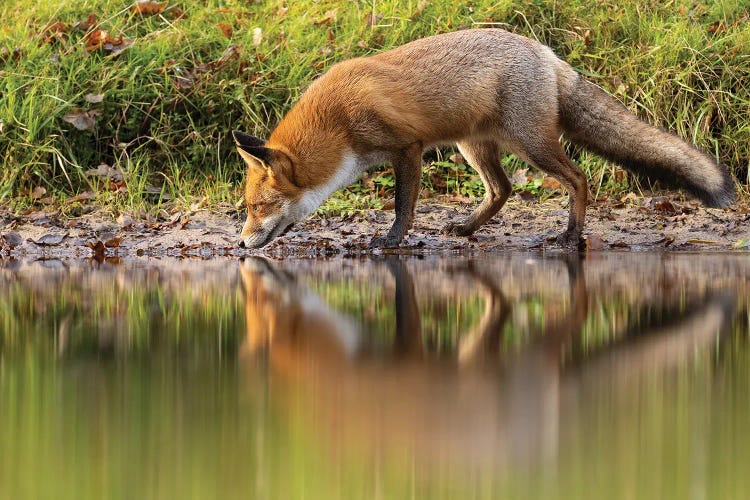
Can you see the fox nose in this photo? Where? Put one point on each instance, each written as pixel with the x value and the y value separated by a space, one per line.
pixel 242 243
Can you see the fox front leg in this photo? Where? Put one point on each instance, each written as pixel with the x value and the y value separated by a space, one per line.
pixel 408 169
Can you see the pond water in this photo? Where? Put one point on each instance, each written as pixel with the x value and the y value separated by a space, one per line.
pixel 510 376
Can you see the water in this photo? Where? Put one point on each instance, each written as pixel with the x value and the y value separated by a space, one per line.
pixel 618 376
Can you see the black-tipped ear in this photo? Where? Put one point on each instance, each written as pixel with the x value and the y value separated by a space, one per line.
pixel 246 140
pixel 252 146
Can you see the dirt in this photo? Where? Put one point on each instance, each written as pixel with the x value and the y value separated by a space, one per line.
pixel 655 223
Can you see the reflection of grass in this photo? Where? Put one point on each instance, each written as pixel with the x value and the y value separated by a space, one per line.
pixel 169 105
pixel 76 320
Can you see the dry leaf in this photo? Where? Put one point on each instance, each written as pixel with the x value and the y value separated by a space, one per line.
pixel 257 37
pixel 328 18
pixel 53 32
pixel 113 242
pixel 85 196
pixel 82 119
pixel 125 221
pixel 102 40
pixel 11 240
pixel 38 192
pixel 89 23
pixel 51 239
pixel 148 8
pixel 94 98
pixel 104 170
pixel 520 177
pixel 551 183
pixel 226 29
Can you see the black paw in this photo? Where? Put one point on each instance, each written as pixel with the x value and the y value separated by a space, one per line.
pixel 385 242
pixel 570 239
pixel 457 229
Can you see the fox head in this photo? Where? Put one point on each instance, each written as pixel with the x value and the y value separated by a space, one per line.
pixel 270 193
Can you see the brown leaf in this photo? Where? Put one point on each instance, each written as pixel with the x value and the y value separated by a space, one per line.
pixel 85 196
pixel 82 119
pixel 38 192
pixel 97 246
pixel 94 98
pixel 10 55
pixel 102 40
pixel 89 23
pixel 226 29
pixel 457 159
pixel 551 183
pixel 125 221
pixel 53 32
pixel 328 18
pixel 11 239
pixel 665 206
pixel 113 242
pixel 105 171
pixel 148 8
pixel 520 177
pixel 51 239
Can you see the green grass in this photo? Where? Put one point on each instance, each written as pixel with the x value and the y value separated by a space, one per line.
pixel 171 99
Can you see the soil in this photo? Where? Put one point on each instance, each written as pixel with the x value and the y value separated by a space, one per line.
pixel 656 223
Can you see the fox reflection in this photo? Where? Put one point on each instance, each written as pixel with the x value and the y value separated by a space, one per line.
pixel 481 402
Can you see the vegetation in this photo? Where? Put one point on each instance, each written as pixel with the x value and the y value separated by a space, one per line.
pixel 152 90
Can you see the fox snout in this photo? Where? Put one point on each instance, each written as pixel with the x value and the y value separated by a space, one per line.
pixel 256 235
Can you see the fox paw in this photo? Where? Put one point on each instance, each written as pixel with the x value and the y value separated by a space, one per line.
pixel 385 242
pixel 569 239
pixel 457 229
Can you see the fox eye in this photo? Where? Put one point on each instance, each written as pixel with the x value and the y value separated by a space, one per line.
pixel 255 207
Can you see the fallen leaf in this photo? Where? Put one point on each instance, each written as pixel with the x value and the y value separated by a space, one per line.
pixel 257 37
pixel 94 98
pixel 113 242
pixel 665 206
pixel 87 24
pixel 82 119
pixel 125 221
pixel 226 29
pixel 630 197
pixel 520 177
pixel 104 170
pixel 85 196
pixel 11 239
pixel 619 244
pixel 38 192
pixel 10 55
pixel 148 8
pixel 328 18
pixel 50 239
pixel 551 183
pixel 53 32
pixel 97 246
pixel 102 40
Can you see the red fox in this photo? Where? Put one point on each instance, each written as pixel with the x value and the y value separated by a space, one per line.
pixel 488 91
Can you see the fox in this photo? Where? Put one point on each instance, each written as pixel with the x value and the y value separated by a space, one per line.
pixel 489 92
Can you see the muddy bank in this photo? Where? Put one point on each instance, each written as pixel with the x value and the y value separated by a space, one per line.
pixel 659 223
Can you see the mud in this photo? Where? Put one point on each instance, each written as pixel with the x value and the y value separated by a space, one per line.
pixel 657 223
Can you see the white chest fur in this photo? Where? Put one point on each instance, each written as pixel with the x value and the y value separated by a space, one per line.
pixel 347 173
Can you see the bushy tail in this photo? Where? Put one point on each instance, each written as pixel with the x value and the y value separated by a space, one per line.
pixel 592 118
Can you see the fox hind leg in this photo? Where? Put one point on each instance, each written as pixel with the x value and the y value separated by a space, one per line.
pixel 484 157
pixel 551 158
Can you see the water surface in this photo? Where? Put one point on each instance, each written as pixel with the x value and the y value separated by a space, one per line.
pixel 518 376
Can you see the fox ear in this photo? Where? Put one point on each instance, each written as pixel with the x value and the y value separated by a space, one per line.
pixel 251 148
pixel 246 140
